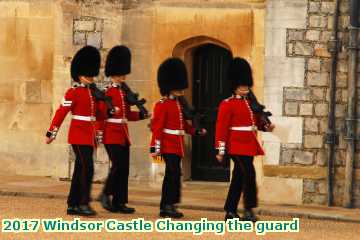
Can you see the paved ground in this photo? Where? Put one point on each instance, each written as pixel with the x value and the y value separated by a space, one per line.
pixel 196 195
pixel 28 207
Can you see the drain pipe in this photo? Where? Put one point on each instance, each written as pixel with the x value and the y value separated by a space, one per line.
pixel 331 136
pixel 351 108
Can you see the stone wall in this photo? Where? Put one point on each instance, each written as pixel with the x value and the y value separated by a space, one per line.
pixel 306 96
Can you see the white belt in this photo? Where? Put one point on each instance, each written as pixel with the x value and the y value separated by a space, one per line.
pixel 84 118
pixel 249 128
pixel 174 132
pixel 117 120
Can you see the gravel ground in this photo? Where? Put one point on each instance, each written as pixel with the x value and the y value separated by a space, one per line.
pixel 24 207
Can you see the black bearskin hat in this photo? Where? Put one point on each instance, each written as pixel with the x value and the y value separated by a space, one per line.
pixel 86 62
pixel 118 61
pixel 239 73
pixel 172 75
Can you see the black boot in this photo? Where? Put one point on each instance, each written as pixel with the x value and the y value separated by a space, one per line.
pixel 249 215
pixel 231 215
pixel 72 210
pixel 85 210
pixel 170 211
pixel 105 202
pixel 122 208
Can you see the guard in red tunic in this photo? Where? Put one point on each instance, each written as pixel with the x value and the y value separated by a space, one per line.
pixel 168 128
pixel 116 135
pixel 236 135
pixel 82 133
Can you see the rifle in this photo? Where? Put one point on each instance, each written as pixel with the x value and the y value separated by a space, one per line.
pixel 190 113
pixel 100 96
pixel 132 99
pixel 258 108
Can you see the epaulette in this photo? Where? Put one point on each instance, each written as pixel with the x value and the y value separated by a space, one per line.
pixel 162 100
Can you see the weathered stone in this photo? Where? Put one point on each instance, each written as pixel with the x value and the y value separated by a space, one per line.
pixel 314 7
pixel 319 199
pixel 309 186
pixel 287 157
pixel 298 94
pixel 313 141
pixel 325 65
pixel 320 50
pixel 322 187
pixel 340 110
pixel 337 95
pixel 84 25
pixel 306 109
pixel 94 39
pixel 99 25
pixel 317 21
pixel 314 64
pixel 291 146
pixel 317 79
pixel 321 109
pixel 321 158
pixel 344 96
pixel 341 79
pixel 294 34
pixel 325 36
pixel 291 108
pixel 303 158
pixel 343 66
pixel 317 94
pixel 79 38
pixel 312 35
pixel 290 49
pixel 327 7
pixel 303 49
pixel 311 125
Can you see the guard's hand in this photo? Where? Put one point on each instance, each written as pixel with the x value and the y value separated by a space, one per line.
pixel 269 128
pixel 203 132
pixel 49 140
pixel 117 110
pixel 219 157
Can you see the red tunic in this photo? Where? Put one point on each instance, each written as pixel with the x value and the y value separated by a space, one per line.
pixel 84 108
pixel 167 115
pixel 236 112
pixel 115 128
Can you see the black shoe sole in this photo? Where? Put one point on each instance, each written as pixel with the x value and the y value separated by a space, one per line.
pixel 171 215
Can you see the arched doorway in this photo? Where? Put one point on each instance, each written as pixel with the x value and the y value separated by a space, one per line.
pixel 206 60
pixel 209 88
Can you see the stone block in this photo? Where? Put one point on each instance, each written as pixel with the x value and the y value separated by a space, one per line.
pixel 321 109
pixel 309 186
pixel 327 7
pixel 306 109
pixel 303 157
pixel 313 141
pixel 320 50
pixel 94 39
pixel 321 158
pixel 295 34
pixel 317 94
pixel 317 79
pixel 291 108
pixel 312 35
pixel 303 49
pixel 311 124
pixel 314 7
pixel 316 21
pixel 298 94
pixel 79 38
pixel 313 64
pixel 84 25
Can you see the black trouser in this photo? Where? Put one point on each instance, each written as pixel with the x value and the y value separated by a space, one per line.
pixel 171 188
pixel 243 180
pixel 117 180
pixel 83 175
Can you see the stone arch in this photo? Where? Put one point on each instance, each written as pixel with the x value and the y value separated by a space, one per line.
pixel 184 50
